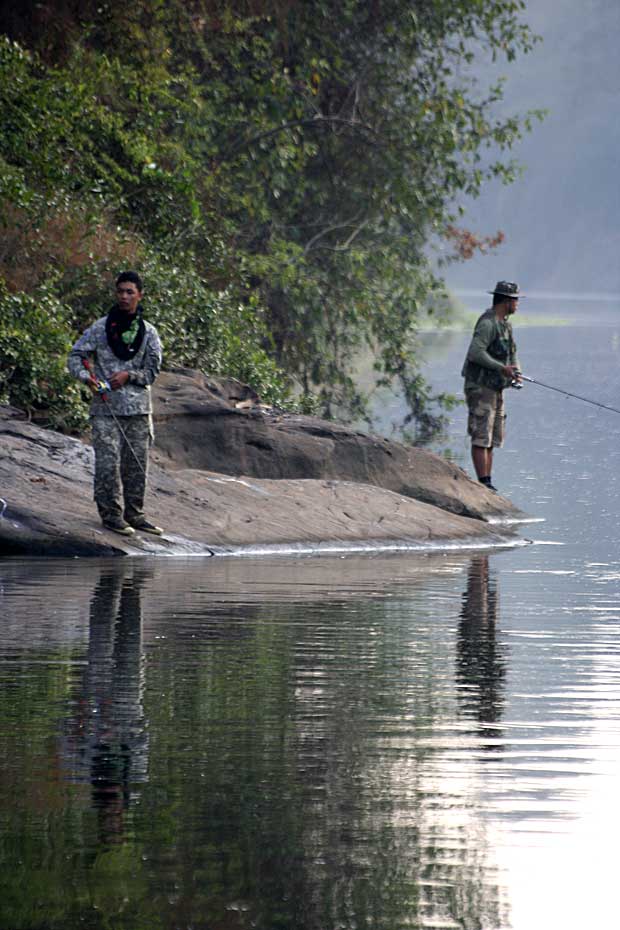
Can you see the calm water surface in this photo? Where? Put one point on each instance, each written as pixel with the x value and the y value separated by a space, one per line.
pixel 338 742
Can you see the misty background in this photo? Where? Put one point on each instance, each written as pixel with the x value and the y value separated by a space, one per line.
pixel 561 218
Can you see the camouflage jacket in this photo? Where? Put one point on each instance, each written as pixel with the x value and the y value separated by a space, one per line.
pixel 135 396
pixel 491 348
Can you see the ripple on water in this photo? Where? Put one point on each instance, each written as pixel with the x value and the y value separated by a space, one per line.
pixel 378 739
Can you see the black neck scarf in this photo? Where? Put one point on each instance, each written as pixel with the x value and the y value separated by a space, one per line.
pixel 118 329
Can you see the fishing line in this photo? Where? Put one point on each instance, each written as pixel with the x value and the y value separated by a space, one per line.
pixel 586 400
pixel 102 388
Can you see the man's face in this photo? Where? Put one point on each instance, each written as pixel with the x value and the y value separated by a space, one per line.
pixel 513 305
pixel 128 296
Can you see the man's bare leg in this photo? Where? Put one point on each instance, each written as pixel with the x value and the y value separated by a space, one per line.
pixel 482 458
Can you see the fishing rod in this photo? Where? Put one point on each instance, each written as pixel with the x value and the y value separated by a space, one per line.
pixel 586 400
pixel 102 388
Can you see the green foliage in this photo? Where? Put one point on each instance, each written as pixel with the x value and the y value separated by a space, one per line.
pixel 275 171
pixel 34 341
pixel 213 331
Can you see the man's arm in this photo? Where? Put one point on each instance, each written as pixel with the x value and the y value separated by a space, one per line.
pixel 151 363
pixel 81 351
pixel 480 342
pixel 482 338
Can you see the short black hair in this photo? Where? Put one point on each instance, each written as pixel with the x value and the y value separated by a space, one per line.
pixel 133 277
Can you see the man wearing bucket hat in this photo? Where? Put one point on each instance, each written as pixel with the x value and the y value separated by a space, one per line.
pixel 490 366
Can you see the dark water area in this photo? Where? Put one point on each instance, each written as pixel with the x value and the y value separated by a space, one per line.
pixel 380 741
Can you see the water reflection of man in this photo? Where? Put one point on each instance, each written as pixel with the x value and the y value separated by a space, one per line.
pixel 112 744
pixel 481 668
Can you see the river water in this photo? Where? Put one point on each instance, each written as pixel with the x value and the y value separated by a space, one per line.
pixel 379 741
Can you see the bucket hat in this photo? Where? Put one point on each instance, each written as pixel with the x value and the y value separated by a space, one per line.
pixel 507 289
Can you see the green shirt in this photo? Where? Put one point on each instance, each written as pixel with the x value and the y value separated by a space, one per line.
pixel 491 348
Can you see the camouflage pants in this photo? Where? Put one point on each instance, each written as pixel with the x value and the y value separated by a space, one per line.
pixel 486 423
pixel 120 483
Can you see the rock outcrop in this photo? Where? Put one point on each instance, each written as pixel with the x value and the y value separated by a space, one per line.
pixel 227 475
pixel 219 426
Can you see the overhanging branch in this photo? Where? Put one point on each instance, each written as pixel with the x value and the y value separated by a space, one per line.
pixel 314 122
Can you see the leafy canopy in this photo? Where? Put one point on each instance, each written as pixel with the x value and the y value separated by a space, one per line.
pixel 276 170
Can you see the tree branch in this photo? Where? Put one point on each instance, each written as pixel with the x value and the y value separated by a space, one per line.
pixel 329 229
pixel 284 127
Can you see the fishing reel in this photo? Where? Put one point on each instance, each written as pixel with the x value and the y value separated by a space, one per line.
pixel 99 385
pixel 517 383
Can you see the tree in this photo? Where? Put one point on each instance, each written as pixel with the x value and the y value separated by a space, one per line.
pixel 297 158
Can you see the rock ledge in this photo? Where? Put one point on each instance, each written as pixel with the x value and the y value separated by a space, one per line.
pixel 227 479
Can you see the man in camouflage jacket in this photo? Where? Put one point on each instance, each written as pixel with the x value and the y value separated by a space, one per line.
pixel 124 351
pixel 490 366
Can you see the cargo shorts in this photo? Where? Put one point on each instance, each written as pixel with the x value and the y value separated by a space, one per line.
pixel 487 418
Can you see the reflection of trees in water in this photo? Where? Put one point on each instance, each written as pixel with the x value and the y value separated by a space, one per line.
pixel 312 798
pixel 481 665
pixel 107 741
pixel 298 769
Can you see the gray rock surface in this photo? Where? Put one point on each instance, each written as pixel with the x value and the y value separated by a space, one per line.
pixel 334 491
pixel 220 426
